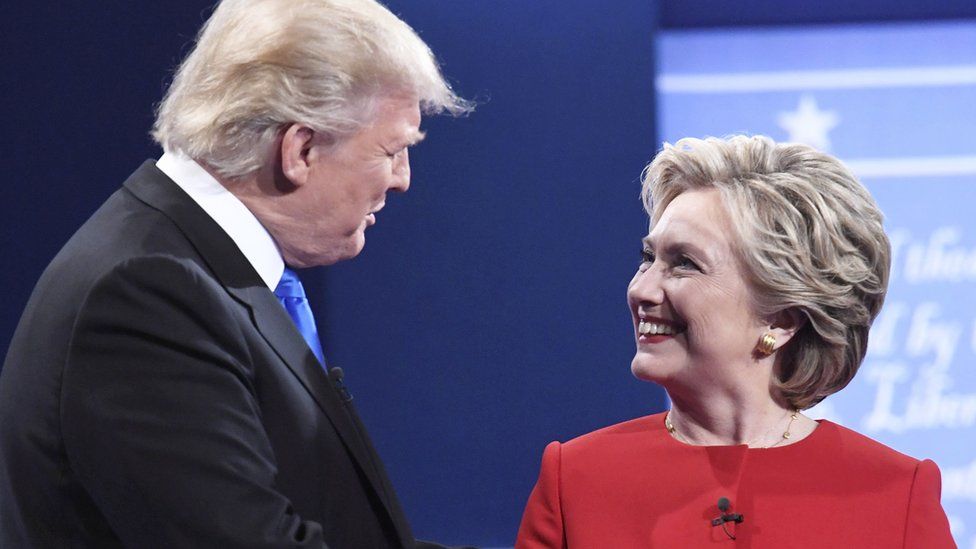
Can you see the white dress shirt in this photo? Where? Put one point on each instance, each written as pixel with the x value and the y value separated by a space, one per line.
pixel 230 213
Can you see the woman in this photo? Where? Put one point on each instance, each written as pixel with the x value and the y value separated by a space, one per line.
pixel 764 267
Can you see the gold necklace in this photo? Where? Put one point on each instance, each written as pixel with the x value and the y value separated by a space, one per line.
pixel 786 434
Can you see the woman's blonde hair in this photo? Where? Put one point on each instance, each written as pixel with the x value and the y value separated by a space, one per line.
pixel 259 65
pixel 811 240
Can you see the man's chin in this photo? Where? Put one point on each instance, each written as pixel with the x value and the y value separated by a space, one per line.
pixel 334 252
pixel 348 250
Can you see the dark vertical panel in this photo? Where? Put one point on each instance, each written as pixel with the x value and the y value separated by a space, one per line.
pixel 79 84
pixel 487 314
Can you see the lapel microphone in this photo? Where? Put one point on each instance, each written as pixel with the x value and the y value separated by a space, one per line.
pixel 336 375
pixel 724 505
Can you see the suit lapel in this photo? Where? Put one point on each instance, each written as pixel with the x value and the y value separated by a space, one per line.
pixel 280 333
pixel 241 280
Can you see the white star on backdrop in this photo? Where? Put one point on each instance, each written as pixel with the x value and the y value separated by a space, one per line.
pixel 808 124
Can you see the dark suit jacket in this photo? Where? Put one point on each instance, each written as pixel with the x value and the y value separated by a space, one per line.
pixel 156 394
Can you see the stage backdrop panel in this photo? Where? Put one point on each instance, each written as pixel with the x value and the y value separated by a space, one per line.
pixel 487 314
pixel 897 103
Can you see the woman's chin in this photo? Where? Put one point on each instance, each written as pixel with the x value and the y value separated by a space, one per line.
pixel 644 371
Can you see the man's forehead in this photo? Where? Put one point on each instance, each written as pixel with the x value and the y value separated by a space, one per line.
pixel 400 119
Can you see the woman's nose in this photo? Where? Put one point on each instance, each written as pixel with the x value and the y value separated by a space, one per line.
pixel 646 286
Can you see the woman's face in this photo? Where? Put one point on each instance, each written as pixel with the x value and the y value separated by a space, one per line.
pixel 690 300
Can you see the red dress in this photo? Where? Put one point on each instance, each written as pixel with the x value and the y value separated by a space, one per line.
pixel 634 485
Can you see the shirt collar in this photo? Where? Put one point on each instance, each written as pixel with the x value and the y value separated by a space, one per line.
pixel 231 214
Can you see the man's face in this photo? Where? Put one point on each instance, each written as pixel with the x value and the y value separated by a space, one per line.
pixel 346 186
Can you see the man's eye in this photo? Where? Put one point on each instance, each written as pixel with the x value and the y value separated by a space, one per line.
pixel 647 256
pixel 686 262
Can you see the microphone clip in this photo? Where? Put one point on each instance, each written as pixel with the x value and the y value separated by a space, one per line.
pixel 727 517
pixel 724 505
pixel 336 375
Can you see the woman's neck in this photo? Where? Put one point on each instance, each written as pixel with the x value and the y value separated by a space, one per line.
pixel 756 422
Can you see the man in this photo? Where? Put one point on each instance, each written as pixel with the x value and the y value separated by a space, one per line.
pixel 157 393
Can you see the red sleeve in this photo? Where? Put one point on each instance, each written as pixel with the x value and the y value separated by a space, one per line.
pixel 926 526
pixel 542 522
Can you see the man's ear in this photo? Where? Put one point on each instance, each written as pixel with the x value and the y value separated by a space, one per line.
pixel 785 324
pixel 296 143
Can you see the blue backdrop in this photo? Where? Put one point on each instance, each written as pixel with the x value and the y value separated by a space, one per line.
pixel 896 102
pixel 486 315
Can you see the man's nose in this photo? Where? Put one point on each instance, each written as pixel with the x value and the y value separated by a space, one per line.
pixel 401 171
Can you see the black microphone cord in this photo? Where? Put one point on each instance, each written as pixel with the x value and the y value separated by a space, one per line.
pixel 726 530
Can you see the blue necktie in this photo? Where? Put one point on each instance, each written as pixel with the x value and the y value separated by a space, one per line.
pixel 291 294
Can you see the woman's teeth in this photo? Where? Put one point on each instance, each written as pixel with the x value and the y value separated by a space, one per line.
pixel 653 328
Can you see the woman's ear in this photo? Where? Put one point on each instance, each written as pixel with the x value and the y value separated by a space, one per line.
pixel 296 142
pixel 785 324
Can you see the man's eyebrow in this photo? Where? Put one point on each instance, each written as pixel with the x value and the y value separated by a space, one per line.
pixel 416 138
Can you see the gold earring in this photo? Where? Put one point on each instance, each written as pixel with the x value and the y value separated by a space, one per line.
pixel 766 345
